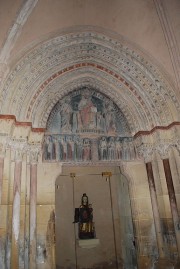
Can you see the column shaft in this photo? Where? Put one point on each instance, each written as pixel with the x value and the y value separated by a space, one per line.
pixel 173 202
pixel 1 237
pixel 33 215
pixel 1 176
pixel 16 215
pixel 155 209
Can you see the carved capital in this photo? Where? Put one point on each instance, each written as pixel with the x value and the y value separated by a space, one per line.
pixel 2 150
pixel 33 152
pixel 163 148
pixel 19 147
pixel 18 154
pixel 145 151
pixel 176 145
pixel 3 144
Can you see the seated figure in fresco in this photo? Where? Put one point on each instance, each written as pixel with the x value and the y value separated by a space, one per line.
pixel 84 218
pixel 87 111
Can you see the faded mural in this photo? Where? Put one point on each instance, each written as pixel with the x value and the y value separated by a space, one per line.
pixel 87 126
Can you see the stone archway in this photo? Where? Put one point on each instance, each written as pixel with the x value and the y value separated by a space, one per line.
pixel 94 57
pixel 50 72
pixel 86 128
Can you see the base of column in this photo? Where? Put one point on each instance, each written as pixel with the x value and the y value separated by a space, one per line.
pixel 163 263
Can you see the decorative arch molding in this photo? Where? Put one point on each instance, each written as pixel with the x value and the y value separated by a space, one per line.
pixel 84 57
pixel 88 78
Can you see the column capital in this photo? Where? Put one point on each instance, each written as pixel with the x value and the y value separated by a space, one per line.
pixel 145 151
pixel 163 147
pixel 33 152
pixel 176 144
pixel 4 138
pixel 19 146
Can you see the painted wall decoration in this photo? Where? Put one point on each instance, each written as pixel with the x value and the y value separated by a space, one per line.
pixel 83 116
pixel 75 148
pixel 66 148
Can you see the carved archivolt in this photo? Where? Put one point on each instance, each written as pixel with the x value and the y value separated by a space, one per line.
pixel 62 64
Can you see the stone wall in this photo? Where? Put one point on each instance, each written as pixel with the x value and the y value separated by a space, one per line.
pixel 136 216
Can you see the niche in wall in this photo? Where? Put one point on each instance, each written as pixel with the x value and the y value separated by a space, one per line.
pixel 111 213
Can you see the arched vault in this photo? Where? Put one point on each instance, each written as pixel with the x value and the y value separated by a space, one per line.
pixel 67 61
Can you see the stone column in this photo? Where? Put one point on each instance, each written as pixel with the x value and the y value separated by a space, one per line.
pixel 1 184
pixel 163 149
pixel 2 154
pixel 32 208
pixel 173 202
pixel 155 209
pixel 161 262
pixel 1 176
pixel 2 236
pixel 16 211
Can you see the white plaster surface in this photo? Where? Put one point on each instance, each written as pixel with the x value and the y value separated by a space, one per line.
pixel 92 243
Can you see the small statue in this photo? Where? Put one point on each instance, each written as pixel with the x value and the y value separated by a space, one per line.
pixel 84 218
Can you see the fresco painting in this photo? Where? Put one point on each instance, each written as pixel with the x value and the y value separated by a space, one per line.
pixel 81 116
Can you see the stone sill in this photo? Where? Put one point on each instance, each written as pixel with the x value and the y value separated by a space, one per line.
pixel 88 243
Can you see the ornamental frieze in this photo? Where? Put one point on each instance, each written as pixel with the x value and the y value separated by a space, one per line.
pixel 75 148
